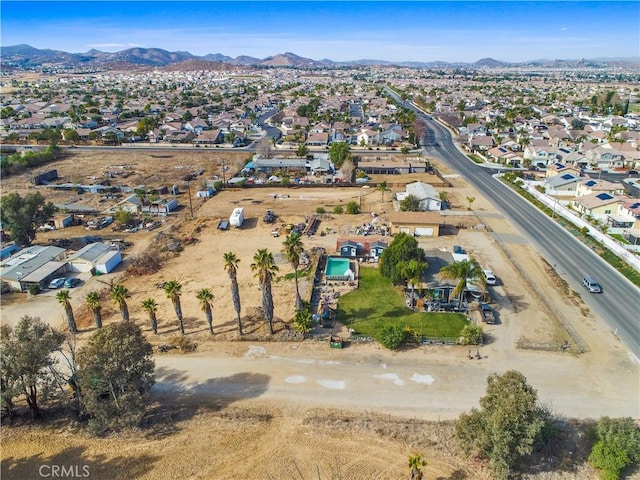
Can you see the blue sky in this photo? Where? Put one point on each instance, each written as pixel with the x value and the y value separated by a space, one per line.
pixel 397 31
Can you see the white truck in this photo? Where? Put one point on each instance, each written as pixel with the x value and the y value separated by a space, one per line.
pixel 237 217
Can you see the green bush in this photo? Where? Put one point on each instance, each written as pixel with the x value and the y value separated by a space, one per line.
pixel 34 289
pixel 338 210
pixel 617 446
pixel 471 334
pixel 391 336
pixel 303 321
pixel 320 210
pixel 353 208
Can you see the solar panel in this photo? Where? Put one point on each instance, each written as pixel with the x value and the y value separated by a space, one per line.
pixel 604 196
pixel 590 183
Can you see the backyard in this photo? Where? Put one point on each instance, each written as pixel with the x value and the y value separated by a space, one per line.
pixel 377 303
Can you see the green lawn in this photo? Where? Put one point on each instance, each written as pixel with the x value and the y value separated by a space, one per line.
pixel 377 303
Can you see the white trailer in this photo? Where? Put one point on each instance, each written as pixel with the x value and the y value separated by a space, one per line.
pixel 237 217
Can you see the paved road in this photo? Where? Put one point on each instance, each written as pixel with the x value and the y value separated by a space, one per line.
pixel 619 305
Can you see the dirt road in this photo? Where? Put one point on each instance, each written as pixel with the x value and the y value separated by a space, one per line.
pixel 430 383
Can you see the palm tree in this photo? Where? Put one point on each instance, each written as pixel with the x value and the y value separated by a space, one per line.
pixel 382 187
pixel 416 463
pixel 292 248
pixel 63 298
pixel 93 302
pixel 231 267
pixel 151 307
pixel 470 200
pixel 206 297
pixel 119 295
pixel 412 272
pixel 173 289
pixel 265 267
pixel 460 272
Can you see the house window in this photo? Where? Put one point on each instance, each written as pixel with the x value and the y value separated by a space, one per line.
pixel 607 211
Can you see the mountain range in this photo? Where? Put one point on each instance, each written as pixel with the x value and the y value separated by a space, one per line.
pixel 26 56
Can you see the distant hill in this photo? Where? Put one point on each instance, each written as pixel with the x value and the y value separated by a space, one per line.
pixel 194 64
pixel 26 56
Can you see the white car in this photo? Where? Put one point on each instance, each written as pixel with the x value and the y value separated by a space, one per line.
pixel 489 277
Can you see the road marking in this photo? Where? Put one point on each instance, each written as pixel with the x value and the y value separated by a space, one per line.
pixel 296 379
pixel 426 379
pixel 332 384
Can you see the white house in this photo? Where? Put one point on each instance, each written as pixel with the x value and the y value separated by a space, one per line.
pixel 98 257
pixel 428 197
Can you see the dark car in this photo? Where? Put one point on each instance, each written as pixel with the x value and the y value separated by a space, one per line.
pixel 72 282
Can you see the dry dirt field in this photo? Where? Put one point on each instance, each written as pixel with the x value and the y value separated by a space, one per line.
pixel 283 434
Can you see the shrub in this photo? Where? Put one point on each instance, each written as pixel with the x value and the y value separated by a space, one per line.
pixel 303 322
pixel 471 334
pixel 391 336
pixel 617 446
pixel 320 210
pixel 353 208
pixel 183 343
pixel 338 210
pixel 34 289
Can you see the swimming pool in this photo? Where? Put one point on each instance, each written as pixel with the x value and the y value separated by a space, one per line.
pixel 338 269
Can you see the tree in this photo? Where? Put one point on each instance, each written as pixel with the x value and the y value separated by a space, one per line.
pixel 26 359
pixel 470 200
pixel 92 300
pixel 264 148
pixel 63 297
pixel 173 290
pixel 23 215
pixel 206 297
pixel 416 462
pixel 460 272
pixel 506 426
pixel 382 188
pixel 444 197
pixel 231 267
pixel 303 321
pixel 151 307
pixel 115 375
pixel 411 271
pixel 617 446
pixel 265 268
pixel 353 208
pixel 339 152
pixel 410 203
pixel 302 150
pixel 403 248
pixel 119 295
pixel 471 334
pixel 292 248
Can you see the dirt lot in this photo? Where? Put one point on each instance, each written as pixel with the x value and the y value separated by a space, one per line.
pixel 273 434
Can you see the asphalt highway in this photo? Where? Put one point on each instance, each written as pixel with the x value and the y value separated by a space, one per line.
pixel 618 305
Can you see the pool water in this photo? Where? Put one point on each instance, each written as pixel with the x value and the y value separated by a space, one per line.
pixel 336 266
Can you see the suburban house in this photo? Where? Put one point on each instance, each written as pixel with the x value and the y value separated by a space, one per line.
pixel 132 204
pixel 605 157
pixel 428 197
pixel 95 257
pixel 564 184
pixel 593 185
pixel 419 224
pixel 558 168
pixel 35 265
pixel 317 139
pixel 598 205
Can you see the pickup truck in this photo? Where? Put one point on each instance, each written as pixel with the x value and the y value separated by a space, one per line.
pixel 487 314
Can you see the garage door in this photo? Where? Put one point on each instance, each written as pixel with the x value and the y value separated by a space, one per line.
pixel 423 232
pixel 405 230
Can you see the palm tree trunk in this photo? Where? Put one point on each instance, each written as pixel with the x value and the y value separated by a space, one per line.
pixel 97 317
pixel 178 308
pixel 124 311
pixel 154 321
pixel 235 294
pixel 70 319
pixel 267 304
pixel 298 298
pixel 209 316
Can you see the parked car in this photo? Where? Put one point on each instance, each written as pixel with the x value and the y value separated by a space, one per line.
pixel 57 282
pixel 487 314
pixel 590 284
pixel 71 282
pixel 489 277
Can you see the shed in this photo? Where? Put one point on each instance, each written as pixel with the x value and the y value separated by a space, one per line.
pixel 376 248
pixel 348 249
pixel 95 257
pixel 205 193
pixel 425 224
